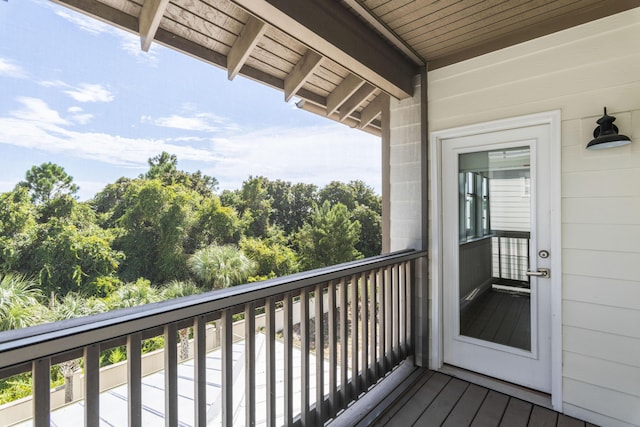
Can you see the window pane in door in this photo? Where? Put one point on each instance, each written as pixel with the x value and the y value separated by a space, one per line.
pixel 495 221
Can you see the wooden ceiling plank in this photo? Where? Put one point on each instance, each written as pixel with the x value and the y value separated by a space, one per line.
pixel 343 92
pixel 149 21
pixel 241 49
pixel 454 18
pixel 499 26
pixel 355 100
pixel 300 73
pixel 371 111
pixel 521 32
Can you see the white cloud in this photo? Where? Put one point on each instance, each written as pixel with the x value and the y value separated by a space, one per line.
pixel 10 69
pixel 79 116
pixel 90 25
pixel 36 126
pixel 87 92
pixel 38 112
pixel 316 155
pixel 200 122
pixel 53 83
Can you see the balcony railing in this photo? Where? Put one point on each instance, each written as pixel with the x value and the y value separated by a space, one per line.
pixel 365 330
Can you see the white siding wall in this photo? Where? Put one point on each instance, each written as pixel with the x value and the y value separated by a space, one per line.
pixel 578 71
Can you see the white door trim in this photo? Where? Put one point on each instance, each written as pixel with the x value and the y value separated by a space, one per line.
pixel 553 119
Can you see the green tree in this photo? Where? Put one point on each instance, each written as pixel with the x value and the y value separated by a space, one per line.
pixel 133 294
pixel 70 259
pixel 156 224
pixel 337 192
pixel 364 206
pixel 273 259
pixel 17 226
pixel 329 238
pixel 370 240
pixel 48 181
pixel 255 208
pixel 214 223
pixel 20 302
pixel 165 168
pixel 109 203
pixel 218 267
pixel 292 204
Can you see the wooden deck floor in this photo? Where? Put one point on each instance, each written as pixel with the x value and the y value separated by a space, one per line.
pixel 436 399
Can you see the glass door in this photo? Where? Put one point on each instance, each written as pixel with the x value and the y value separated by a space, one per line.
pixel 496 302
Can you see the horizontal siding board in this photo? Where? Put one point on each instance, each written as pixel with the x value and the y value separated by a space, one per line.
pixel 609 210
pixel 613 265
pixel 614 320
pixel 602 237
pixel 601 291
pixel 476 110
pixel 621 406
pixel 602 183
pixel 576 159
pixel 564 49
pixel 602 373
pixel 613 348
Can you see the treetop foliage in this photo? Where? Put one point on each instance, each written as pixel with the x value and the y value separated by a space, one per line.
pixel 167 233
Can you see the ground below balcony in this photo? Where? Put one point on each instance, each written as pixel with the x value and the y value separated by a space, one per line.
pixel 428 399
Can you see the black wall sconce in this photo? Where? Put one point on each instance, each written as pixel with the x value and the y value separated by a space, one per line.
pixel 606 134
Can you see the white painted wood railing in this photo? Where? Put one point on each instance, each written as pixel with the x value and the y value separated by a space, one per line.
pixel 365 331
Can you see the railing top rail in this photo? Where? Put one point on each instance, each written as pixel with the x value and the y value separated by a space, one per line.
pixel 54 338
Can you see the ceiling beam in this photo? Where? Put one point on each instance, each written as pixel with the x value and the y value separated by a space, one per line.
pixel 244 44
pixel 300 73
pixel 347 88
pixel 330 29
pixel 371 111
pixel 361 9
pixel 149 21
pixel 356 99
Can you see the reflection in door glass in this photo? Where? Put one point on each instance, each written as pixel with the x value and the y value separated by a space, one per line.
pixel 495 227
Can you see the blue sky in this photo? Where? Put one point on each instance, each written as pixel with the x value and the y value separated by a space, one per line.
pixel 82 94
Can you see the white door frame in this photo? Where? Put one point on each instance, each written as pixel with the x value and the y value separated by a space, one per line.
pixel 553 119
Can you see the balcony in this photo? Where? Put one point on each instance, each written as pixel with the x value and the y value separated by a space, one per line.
pixel 365 333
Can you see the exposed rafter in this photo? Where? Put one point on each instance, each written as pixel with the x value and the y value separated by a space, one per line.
pixel 300 73
pixel 347 41
pixel 343 101
pixel 347 88
pixel 149 21
pixel 241 49
pixel 373 110
pixel 374 128
pixel 356 100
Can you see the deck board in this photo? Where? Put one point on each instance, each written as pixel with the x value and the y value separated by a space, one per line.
pixel 414 408
pixel 436 399
pixel 490 413
pixel 442 405
pixel 517 413
pixel 467 407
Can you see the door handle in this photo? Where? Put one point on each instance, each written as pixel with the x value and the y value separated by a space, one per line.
pixel 542 272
